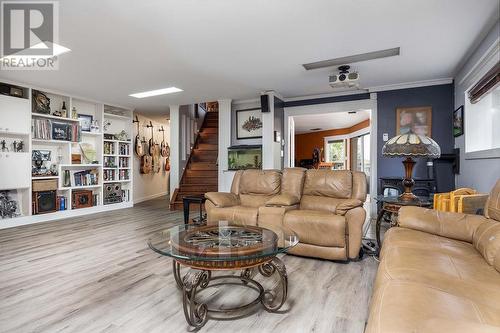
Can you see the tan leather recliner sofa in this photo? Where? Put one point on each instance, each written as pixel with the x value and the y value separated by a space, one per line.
pixel 324 207
pixel 439 272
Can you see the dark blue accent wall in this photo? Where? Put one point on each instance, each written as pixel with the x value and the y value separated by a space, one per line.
pixel 441 99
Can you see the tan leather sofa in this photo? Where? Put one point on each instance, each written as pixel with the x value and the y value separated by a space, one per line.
pixel 439 272
pixel 324 207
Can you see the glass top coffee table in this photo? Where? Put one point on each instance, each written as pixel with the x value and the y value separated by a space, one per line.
pixel 223 246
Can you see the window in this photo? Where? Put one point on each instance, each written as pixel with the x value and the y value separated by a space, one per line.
pixel 482 126
pixel 337 154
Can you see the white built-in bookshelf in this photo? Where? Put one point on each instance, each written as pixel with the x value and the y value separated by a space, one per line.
pixel 112 165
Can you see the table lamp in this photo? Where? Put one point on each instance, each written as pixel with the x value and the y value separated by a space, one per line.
pixel 411 146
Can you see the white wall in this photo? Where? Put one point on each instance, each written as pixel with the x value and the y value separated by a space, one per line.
pixel 480 173
pixel 152 185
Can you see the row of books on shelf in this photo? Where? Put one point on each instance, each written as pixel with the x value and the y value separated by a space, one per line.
pixel 47 129
pixel 81 178
pixel 124 149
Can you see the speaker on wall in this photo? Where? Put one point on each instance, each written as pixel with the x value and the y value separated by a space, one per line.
pixel 264 103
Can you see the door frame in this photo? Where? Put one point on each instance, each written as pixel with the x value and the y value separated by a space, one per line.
pixel 364 104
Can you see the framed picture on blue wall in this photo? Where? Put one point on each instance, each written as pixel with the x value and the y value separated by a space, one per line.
pixel 458 121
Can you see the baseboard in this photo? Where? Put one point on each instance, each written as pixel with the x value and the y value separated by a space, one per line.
pixel 60 215
pixel 150 197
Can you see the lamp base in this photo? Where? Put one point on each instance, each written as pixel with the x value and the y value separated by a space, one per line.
pixel 408 181
pixel 408 197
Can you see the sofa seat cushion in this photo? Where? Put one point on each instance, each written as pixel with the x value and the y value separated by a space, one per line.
pixel 235 214
pixel 317 227
pixel 405 306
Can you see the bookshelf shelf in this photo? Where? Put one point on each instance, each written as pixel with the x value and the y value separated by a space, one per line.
pixel 81 166
pixel 79 187
pixel 60 142
pixel 45 177
pixel 48 116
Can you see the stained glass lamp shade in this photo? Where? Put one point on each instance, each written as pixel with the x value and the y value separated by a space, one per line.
pixel 411 146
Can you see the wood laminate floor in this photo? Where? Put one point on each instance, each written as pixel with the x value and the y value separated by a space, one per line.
pixel 97 274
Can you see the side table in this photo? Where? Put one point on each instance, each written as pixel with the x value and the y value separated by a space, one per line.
pixel 390 208
pixel 188 200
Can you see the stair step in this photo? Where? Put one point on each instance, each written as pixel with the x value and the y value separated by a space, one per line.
pixel 201 173
pixel 204 158
pixel 203 166
pixel 200 180
pixel 207 146
pixel 209 130
pixel 197 188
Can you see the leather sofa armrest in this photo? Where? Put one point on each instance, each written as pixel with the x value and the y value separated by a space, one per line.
pixel 451 225
pixel 222 199
pixel 438 325
pixel 346 205
pixel 282 200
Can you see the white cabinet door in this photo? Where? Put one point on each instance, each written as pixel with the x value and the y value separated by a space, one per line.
pixel 16 170
pixel 15 115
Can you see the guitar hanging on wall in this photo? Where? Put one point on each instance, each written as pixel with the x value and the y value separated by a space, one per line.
pixel 139 148
pixel 147 160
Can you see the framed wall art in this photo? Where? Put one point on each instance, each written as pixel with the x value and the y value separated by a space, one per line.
pixel 458 121
pixel 85 121
pixel 61 131
pixel 416 119
pixel 249 124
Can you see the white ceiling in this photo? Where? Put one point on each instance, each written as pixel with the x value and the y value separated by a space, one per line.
pixel 238 48
pixel 334 120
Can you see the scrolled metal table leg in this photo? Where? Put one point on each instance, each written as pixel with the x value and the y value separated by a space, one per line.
pixel 272 300
pixel 196 313
pixel 176 270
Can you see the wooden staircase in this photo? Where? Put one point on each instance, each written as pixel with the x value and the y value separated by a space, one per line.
pixel 200 174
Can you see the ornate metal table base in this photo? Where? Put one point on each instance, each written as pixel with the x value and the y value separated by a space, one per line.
pixel 197 313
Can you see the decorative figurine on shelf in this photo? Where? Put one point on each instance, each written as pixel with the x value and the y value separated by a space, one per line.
pixel 74 113
pixel 94 127
pixel 8 206
pixel 107 123
pixel 53 169
pixel 4 147
pixel 122 136
pixel 64 111
pixel 57 113
pixel 66 181
pixel 18 146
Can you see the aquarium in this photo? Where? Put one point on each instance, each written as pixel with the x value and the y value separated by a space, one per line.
pixel 245 157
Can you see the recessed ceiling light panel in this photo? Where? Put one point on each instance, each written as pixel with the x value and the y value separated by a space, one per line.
pixel 156 92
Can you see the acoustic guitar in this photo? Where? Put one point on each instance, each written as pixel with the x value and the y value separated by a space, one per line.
pixel 156 159
pixel 163 146
pixel 167 164
pixel 146 164
pixel 139 148
pixel 151 143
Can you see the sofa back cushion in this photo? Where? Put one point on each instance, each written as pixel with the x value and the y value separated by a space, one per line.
pixel 486 240
pixel 359 187
pixel 292 182
pixel 328 183
pixel 256 187
pixel 492 209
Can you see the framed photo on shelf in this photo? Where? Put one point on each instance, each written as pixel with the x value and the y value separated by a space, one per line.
pixel 85 121
pixel 61 131
pixel 416 119
pixel 249 124
pixel 458 121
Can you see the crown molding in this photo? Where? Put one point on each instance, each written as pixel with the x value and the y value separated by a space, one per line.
pixel 416 84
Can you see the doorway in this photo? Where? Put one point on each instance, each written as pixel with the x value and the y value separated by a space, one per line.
pixel 340 134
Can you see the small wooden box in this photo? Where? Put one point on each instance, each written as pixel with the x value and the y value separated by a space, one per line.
pixel 44 185
pixel 76 159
